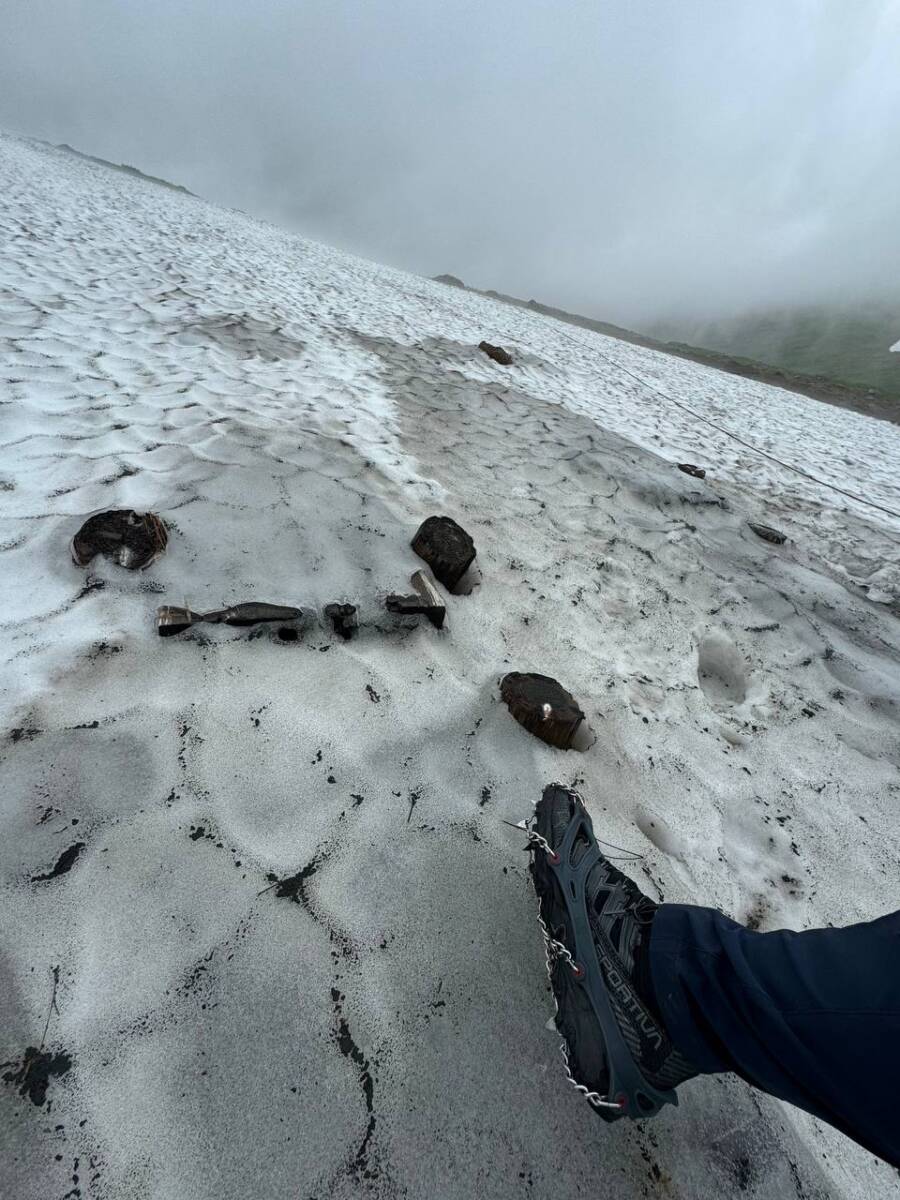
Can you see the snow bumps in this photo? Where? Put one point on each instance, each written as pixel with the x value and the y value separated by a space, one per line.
pixel 197 1004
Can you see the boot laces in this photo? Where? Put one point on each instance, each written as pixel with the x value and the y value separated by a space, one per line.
pixel 637 906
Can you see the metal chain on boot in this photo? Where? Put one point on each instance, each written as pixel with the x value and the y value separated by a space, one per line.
pixel 554 950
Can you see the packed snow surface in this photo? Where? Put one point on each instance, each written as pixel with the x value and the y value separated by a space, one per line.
pixel 261 893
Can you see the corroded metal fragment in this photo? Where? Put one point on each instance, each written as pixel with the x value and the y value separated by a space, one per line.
pixel 426 601
pixel 133 540
pixel 497 353
pixel 446 547
pixel 171 620
pixel 343 618
pixel 768 534
pixel 543 707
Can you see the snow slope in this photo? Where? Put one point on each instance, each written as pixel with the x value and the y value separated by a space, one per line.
pixel 293 413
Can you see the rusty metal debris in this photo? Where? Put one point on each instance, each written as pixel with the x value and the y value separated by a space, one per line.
pixel 131 539
pixel 426 601
pixel 446 547
pixel 497 353
pixel 690 469
pixel 543 707
pixel 768 534
pixel 343 618
pixel 171 619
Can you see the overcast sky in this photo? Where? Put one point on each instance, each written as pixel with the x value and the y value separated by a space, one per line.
pixel 623 158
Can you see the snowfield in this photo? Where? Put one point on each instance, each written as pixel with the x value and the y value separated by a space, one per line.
pixel 374 1024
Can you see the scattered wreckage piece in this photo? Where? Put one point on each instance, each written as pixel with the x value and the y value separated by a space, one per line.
pixel 426 601
pixel 446 547
pixel 171 620
pixel 691 469
pixel 497 353
pixel 131 539
pixel 768 534
pixel 544 707
pixel 344 619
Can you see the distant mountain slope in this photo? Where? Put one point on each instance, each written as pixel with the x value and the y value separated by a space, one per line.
pixel 825 384
pixel 850 345
pixel 128 170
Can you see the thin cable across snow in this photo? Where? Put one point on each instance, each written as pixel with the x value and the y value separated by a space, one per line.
pixel 728 433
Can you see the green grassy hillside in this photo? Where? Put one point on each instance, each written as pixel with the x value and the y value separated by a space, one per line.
pixel 851 346
pixel 840 340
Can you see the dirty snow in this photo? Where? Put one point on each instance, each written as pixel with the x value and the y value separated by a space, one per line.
pixel 296 952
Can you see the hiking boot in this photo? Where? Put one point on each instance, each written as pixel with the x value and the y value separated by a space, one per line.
pixel 596 924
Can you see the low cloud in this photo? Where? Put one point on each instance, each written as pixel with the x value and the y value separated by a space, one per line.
pixel 627 160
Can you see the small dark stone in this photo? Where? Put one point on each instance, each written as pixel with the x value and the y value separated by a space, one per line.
pixel 446 547
pixel 497 353
pixel 768 534
pixel 690 469
pixel 543 707
pixel 343 619
pixel 133 540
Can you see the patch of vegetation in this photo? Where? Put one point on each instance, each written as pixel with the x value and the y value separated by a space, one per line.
pixel 851 346
pixel 126 169
pixel 841 358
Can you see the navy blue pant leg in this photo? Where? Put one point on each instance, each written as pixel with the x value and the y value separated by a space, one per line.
pixel 813 1018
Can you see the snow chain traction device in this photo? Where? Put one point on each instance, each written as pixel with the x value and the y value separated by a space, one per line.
pixel 630 1094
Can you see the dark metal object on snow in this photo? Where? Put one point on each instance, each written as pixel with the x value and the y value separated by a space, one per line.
pixel 343 619
pixel 768 534
pixel 690 469
pixel 171 620
pixel 543 707
pixel 426 601
pixel 133 540
pixel 446 547
pixel 497 353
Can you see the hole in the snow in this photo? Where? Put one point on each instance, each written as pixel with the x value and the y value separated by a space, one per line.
pixel 286 634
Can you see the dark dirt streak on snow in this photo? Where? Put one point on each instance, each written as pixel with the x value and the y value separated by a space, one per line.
pixel 348 1047
pixel 31 1077
pixel 294 886
pixel 64 863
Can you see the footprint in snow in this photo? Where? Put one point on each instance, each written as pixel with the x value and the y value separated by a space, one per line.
pixel 721 671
